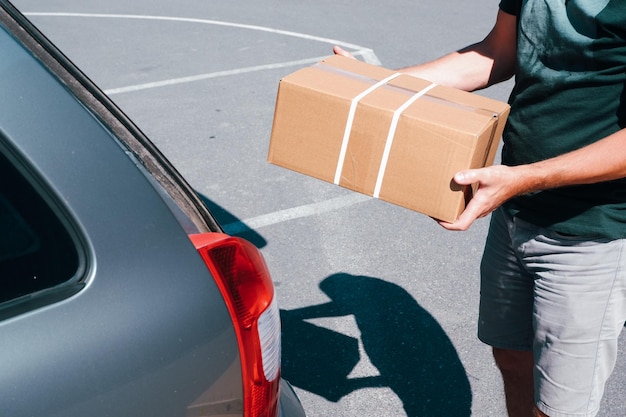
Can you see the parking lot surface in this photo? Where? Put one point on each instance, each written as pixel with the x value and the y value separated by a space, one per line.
pixel 379 303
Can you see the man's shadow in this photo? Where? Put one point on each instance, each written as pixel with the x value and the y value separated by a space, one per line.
pixel 403 341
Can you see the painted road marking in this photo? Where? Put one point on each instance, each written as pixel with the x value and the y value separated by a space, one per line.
pixel 295 213
pixel 367 54
pixel 277 216
pixel 192 78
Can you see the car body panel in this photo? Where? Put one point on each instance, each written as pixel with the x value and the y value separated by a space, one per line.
pixel 132 274
pixel 142 328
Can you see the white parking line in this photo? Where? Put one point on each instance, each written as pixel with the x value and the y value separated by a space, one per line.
pixel 281 215
pixel 367 54
pixel 204 21
pixel 207 76
pixel 295 213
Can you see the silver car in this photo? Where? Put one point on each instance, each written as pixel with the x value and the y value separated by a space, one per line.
pixel 120 295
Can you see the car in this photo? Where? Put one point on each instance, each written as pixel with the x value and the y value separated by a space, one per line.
pixel 120 293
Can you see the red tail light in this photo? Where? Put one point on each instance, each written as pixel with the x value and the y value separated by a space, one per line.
pixel 244 280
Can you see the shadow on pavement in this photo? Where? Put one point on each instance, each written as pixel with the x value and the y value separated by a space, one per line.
pixel 232 225
pixel 403 341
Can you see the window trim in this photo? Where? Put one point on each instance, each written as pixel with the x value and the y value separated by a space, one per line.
pixel 80 277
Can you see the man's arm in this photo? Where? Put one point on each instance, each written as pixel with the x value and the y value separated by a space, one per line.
pixel 476 66
pixel 488 62
pixel 604 160
pixel 479 65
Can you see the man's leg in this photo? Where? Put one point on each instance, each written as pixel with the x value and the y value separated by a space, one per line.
pixel 516 367
pixel 562 297
pixel 506 309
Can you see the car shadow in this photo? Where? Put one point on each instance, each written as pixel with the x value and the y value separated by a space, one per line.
pixel 402 340
pixel 231 224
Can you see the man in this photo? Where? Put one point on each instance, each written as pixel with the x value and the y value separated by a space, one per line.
pixel 553 274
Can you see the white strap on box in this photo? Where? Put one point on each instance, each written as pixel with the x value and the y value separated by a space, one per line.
pixel 349 122
pixel 391 134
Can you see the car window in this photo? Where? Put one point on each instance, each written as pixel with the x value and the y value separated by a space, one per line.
pixel 36 250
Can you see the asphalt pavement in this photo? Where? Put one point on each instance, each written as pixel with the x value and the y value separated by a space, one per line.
pixel 379 304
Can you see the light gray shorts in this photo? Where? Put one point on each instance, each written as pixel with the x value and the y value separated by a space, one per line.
pixel 562 297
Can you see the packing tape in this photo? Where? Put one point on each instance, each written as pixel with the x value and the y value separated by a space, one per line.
pixel 408 91
pixel 391 134
pixel 348 129
pixel 394 122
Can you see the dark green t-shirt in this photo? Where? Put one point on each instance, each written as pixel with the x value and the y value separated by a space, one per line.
pixel 569 92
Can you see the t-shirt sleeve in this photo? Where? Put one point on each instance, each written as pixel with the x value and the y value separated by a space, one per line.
pixel 511 6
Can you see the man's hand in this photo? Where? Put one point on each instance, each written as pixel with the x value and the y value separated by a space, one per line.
pixel 604 160
pixel 338 50
pixel 496 184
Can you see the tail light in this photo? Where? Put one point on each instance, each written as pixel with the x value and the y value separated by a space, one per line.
pixel 244 280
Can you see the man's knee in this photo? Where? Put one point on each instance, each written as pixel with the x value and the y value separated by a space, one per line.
pixel 514 361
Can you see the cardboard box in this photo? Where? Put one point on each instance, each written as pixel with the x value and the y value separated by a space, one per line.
pixel 388 135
